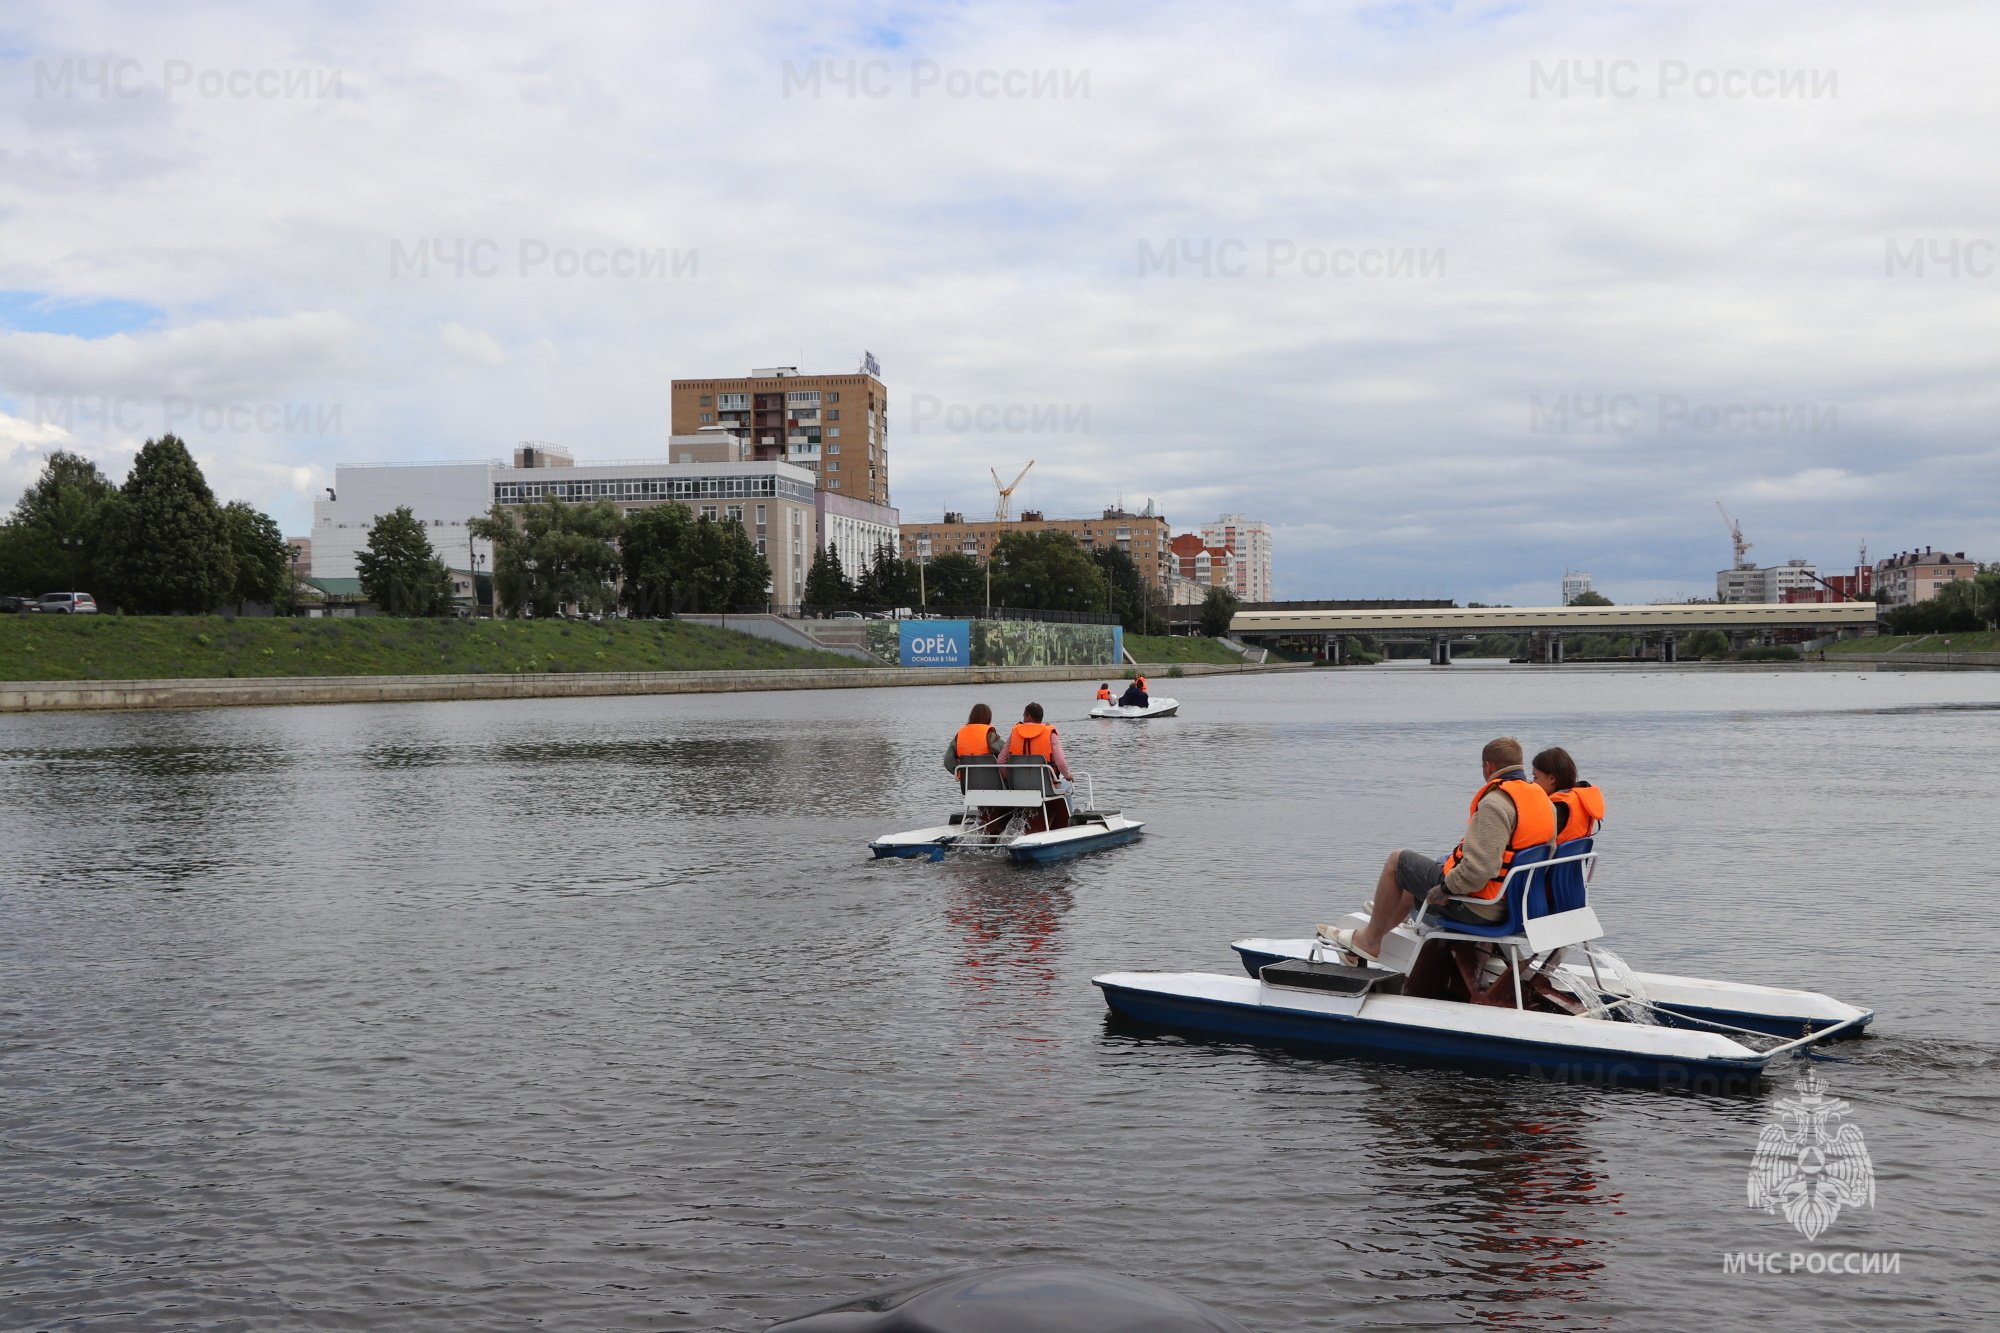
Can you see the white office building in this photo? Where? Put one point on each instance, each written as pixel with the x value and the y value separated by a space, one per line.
pixel 1575 584
pixel 774 501
pixel 1250 539
pixel 854 529
pixel 1767 585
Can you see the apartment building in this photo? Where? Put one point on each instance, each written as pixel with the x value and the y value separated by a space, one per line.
pixel 834 426
pixel 773 499
pixel 1142 536
pixel 1575 584
pixel 1916 576
pixel 1765 586
pixel 1250 540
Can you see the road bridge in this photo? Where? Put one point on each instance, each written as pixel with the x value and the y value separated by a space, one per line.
pixel 1545 626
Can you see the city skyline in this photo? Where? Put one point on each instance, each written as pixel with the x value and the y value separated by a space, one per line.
pixel 1517 292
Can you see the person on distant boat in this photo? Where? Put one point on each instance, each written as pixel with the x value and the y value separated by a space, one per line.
pixel 1509 815
pixel 1104 693
pixel 1135 695
pixel 976 746
pixel 1579 805
pixel 1034 742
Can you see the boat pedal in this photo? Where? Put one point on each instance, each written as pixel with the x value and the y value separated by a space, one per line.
pixel 1098 816
pixel 1336 978
pixel 958 818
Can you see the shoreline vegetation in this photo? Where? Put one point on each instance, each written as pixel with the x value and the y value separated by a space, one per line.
pixel 1961 641
pixel 34 647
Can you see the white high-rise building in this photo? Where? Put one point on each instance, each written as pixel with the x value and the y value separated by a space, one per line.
pixel 1575 584
pixel 1250 538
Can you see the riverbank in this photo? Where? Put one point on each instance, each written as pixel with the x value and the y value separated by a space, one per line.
pixel 38 696
pixel 154 648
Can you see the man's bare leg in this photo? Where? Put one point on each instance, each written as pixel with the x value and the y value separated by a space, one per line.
pixel 1391 905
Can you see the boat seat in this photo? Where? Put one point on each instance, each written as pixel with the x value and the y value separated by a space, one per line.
pixel 1030 773
pixel 981 772
pixel 1547 896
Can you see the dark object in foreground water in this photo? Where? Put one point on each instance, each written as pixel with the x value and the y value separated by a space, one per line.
pixel 1034 1298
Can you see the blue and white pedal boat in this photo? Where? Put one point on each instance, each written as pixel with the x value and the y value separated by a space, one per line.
pixel 1527 995
pixel 1027 787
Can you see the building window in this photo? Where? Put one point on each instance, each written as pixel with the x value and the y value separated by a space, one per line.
pixel 833 448
pixel 833 398
pixel 735 512
pixel 760 546
pixel 760 516
pixel 733 401
pixel 708 511
pixel 833 483
pixel 707 418
pixel 707 401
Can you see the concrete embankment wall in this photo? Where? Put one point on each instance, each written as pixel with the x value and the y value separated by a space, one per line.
pixel 1917 661
pixel 37 696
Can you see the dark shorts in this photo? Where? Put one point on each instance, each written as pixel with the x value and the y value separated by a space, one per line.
pixel 1417 875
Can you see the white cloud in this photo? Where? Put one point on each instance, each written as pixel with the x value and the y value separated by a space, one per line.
pixel 1714 252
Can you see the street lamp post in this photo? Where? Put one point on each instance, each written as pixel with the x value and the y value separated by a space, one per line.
pixel 69 545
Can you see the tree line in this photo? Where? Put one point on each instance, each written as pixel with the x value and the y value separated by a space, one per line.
pixel 156 544
pixel 1045 571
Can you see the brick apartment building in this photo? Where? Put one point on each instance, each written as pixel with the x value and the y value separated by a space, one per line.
pixel 1142 536
pixel 1916 576
pixel 834 426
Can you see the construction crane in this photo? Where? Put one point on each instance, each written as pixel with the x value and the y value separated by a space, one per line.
pixel 1736 538
pixel 1001 511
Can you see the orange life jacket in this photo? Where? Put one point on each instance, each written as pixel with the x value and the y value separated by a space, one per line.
pixel 1534 826
pixel 973 738
pixel 1141 683
pixel 1032 738
pixel 1579 810
pixel 1104 694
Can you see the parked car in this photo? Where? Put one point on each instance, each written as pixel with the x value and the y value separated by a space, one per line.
pixel 12 606
pixel 68 604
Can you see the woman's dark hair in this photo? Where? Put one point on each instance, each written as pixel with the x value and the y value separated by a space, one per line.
pixel 1034 711
pixel 1555 762
pixel 979 713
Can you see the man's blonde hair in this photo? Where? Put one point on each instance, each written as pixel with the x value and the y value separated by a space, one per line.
pixel 1504 751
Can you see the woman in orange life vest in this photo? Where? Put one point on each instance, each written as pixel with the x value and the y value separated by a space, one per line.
pixel 1509 814
pixel 1104 693
pixel 976 745
pixel 1579 805
pixel 1035 742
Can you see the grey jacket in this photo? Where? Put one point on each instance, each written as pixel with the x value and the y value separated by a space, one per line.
pixel 1487 834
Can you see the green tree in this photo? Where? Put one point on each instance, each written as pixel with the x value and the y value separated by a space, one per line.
pixel 1591 598
pixel 1046 570
pixel 400 571
pixel 889 580
pixel 725 570
pixel 1707 644
pixel 553 555
pixel 164 545
pixel 655 551
pixel 826 583
pixel 1218 608
pixel 260 559
pixel 54 539
pixel 953 579
pixel 1131 595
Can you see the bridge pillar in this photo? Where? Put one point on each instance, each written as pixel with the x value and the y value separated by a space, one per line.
pixel 1440 650
pixel 1336 649
pixel 1669 647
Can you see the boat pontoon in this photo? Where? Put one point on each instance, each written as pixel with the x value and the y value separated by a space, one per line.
pixel 1533 993
pixel 996 802
pixel 1155 707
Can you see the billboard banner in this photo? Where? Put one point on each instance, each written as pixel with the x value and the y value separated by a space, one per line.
pixel 935 643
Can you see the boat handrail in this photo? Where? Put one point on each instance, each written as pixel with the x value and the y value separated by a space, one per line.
pixel 1526 871
pixel 1078 779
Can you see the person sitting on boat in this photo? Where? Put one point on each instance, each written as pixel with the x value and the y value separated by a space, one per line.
pixel 1034 742
pixel 1579 805
pixel 976 746
pixel 1135 694
pixel 1509 814
pixel 1104 693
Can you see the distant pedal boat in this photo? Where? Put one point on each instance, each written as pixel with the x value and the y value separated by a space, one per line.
pixel 1153 708
pixel 1026 788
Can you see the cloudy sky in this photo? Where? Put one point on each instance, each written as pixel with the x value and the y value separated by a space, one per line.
pixel 1456 295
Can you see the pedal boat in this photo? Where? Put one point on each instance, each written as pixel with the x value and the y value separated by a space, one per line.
pixel 1014 787
pixel 1154 708
pixel 1705 1035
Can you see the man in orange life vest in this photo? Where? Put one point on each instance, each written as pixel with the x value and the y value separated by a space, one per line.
pixel 1509 814
pixel 1033 741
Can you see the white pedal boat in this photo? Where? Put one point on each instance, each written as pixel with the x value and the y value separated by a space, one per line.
pixel 1155 707
pixel 1612 1026
pixel 1032 785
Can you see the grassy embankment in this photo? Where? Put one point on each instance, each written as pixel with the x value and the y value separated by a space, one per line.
pixel 35 647
pixel 1171 648
pixel 1982 641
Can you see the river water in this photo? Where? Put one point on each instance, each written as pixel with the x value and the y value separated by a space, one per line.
pixel 593 1015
